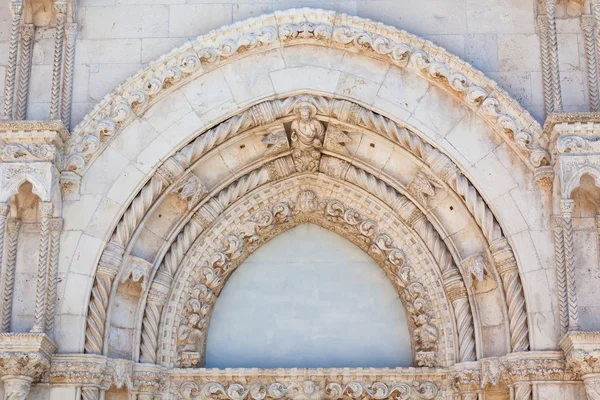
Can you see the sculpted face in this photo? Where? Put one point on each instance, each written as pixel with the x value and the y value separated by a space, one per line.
pixel 304 113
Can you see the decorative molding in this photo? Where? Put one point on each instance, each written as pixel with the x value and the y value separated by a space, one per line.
pixel 398 47
pixel 589 29
pixel 16 11
pixel 12 236
pixel 68 74
pixel 137 269
pixel 27 33
pixel 60 7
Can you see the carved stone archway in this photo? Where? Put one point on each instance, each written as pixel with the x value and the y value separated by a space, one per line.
pixel 395 150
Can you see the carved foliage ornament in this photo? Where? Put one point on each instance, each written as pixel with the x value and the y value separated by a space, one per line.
pixel 212 273
pixel 307 390
pixel 134 96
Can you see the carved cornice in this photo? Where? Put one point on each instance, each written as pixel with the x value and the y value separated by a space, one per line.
pixel 323 28
pixel 25 354
pixel 24 142
pixel 582 351
pixel 307 384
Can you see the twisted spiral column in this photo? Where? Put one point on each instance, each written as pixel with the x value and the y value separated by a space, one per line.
pixel 55 229
pixel 523 391
pixel 509 273
pixel 589 30
pixel 16 387
pixel 90 393
pixel 566 207
pixel 561 276
pixel 16 10
pixel 12 232
pixel 67 81
pixel 41 294
pixel 4 208
pixel 110 260
pixel 157 297
pixel 61 14
pixel 27 33
pixel 542 24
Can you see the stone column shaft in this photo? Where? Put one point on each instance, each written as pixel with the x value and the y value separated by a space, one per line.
pixel 589 31
pixel 16 387
pixel 12 236
pixel 16 10
pixel 67 84
pixel 61 13
pixel 27 33
pixel 567 206
pixel 39 324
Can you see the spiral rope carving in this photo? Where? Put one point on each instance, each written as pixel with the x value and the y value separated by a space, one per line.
pixel 88 393
pixel 587 24
pixel 570 273
pixel 523 391
pixel 136 211
pixel 53 275
pixel 27 33
pixel 94 334
pixel 61 9
pixel 477 207
pixel 16 9
pixel 243 185
pixel 561 278
pixel 542 21
pixel 466 331
pixel 67 85
pixel 519 336
pixel 9 272
pixel 39 323
pixel 216 136
pixel 149 343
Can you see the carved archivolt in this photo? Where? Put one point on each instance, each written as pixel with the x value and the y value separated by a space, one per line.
pixel 172 174
pixel 320 28
pixel 306 198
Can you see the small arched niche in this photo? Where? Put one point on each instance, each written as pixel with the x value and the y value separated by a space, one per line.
pixel 308 299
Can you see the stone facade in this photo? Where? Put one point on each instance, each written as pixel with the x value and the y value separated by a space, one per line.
pixel 120 228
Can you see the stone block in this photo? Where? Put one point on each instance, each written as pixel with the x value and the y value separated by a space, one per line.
pixel 207 91
pixel 403 88
pixel 500 16
pixel 125 22
pixel 249 78
pixel 153 48
pixel 519 52
pixel 102 174
pixel 355 87
pixel 440 17
pixel 481 51
pixel 115 51
pixel 108 77
pixel 167 111
pixel 298 79
pixel 193 20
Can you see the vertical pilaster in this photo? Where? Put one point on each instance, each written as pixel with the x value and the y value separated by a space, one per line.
pixel 566 208
pixel 27 33
pixel 39 323
pixel 542 24
pixel 67 81
pixel 588 27
pixel 12 236
pixel 16 10
pixel 550 6
pixel 596 15
pixel 561 276
pixel 55 229
pixel 61 13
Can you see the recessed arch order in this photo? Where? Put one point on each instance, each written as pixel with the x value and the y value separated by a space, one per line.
pixel 209 124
